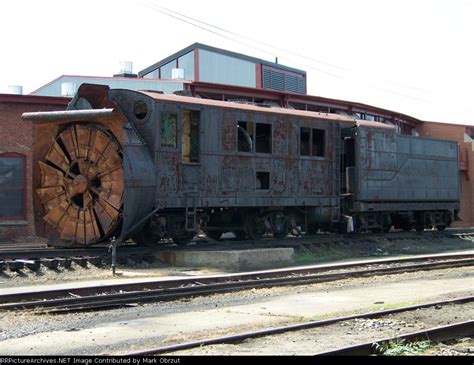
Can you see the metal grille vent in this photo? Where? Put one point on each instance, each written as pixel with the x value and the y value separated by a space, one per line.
pixel 282 81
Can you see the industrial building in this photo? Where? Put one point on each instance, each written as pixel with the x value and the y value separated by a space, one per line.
pixel 205 72
pixel 200 62
pixel 67 85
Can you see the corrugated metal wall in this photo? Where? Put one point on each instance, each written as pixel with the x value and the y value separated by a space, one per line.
pixel 217 68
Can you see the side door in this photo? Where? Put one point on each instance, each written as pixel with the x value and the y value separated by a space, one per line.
pixel 167 155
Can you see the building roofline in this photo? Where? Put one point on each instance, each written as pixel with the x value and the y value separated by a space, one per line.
pixel 457 124
pixel 34 99
pixel 241 56
pixel 109 78
pixel 242 106
pixel 299 98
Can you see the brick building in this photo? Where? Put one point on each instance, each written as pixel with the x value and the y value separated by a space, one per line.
pixel 464 136
pixel 16 141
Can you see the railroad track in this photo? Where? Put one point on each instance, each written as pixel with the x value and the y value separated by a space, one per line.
pixel 113 295
pixel 17 257
pixel 436 334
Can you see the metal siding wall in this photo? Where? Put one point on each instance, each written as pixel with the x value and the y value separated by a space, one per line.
pixel 54 89
pixel 166 70
pixel 152 75
pixel 222 69
pixel 186 62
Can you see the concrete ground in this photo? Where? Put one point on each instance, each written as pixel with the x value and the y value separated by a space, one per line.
pixel 128 329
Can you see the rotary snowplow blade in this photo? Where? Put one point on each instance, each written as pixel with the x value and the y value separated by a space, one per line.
pixel 93 175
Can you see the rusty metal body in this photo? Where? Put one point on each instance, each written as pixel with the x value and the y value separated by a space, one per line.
pixel 191 163
pixel 401 175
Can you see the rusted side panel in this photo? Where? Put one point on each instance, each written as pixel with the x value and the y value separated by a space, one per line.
pixel 281 138
pixel 245 175
pixel 226 177
pixel 393 167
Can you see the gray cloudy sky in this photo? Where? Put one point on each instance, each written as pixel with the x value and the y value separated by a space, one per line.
pixel 412 56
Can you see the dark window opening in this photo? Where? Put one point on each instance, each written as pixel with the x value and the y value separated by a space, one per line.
pixel 312 142
pixel 168 126
pixel 190 136
pixel 254 137
pixel 245 136
pixel 140 109
pixel 263 180
pixel 349 152
pixel 263 138
pixel 12 187
pixel 305 135
pixel 318 142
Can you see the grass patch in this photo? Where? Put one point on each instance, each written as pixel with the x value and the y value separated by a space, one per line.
pixel 403 348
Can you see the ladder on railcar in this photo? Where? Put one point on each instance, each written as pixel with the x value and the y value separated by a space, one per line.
pixel 190 213
pixel 336 171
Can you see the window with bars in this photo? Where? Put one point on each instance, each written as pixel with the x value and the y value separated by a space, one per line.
pixel 12 187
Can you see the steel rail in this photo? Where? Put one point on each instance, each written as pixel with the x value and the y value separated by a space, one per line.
pixel 436 334
pixel 299 327
pixel 10 251
pixel 69 299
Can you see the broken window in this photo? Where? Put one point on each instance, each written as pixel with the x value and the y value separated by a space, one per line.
pixel 12 187
pixel 312 142
pixel 254 137
pixel 263 180
pixel 168 130
pixel 318 142
pixel 263 138
pixel 190 137
pixel 245 136
pixel 305 135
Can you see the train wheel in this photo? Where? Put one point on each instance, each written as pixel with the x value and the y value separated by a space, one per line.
pixel 280 234
pixel 82 184
pixel 255 227
pixel 385 222
pixel 280 225
pixel 420 223
pixel 146 236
